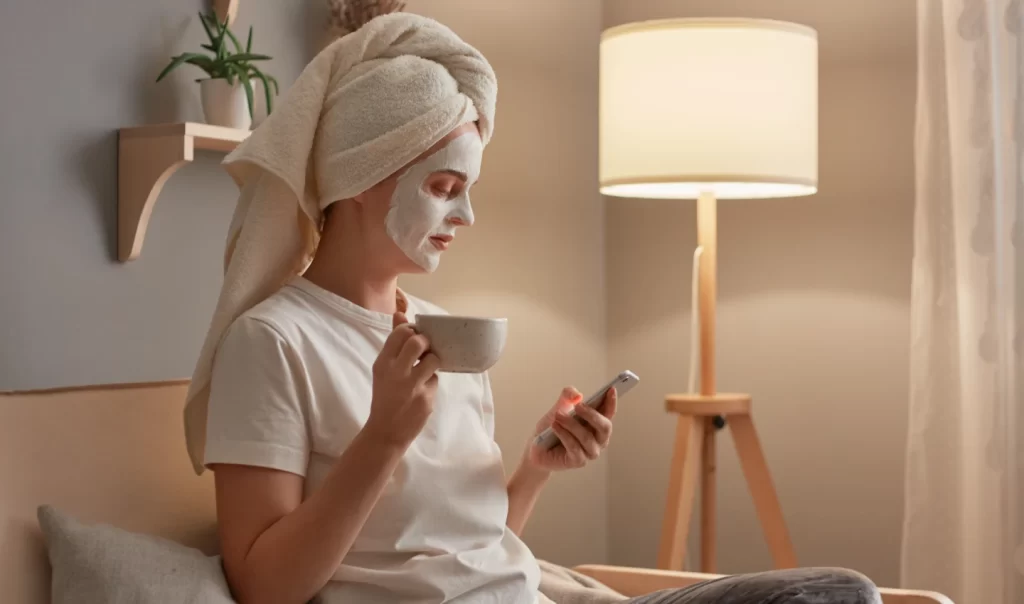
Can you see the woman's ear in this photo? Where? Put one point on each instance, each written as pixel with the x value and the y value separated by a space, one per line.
pixel 378 193
pixel 368 195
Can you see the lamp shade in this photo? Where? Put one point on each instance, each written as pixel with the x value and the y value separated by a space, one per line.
pixel 726 106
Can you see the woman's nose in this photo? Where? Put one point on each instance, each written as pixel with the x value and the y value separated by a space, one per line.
pixel 463 216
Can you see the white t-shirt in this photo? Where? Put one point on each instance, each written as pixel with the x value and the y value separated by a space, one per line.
pixel 291 387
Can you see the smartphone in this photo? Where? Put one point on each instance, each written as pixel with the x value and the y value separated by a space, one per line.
pixel 622 383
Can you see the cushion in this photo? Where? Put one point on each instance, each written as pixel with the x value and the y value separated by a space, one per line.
pixel 100 563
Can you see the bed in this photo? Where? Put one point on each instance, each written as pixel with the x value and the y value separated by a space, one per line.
pixel 115 455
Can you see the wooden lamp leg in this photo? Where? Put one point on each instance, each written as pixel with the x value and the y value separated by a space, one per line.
pixel 681 490
pixel 766 501
pixel 707 501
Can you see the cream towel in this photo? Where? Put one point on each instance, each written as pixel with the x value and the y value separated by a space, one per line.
pixel 365 106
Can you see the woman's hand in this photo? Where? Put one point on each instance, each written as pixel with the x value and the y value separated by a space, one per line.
pixel 404 385
pixel 581 439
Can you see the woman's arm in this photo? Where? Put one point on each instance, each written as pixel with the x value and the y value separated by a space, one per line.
pixel 275 546
pixel 523 491
pixel 278 548
pixel 582 439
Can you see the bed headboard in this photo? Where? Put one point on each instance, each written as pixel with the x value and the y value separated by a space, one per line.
pixel 113 454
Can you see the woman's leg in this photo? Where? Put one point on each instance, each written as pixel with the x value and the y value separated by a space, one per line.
pixel 796 586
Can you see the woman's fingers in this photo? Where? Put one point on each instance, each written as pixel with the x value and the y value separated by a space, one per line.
pixel 427 368
pixel 611 403
pixel 414 348
pixel 570 395
pixel 573 450
pixel 393 345
pixel 598 422
pixel 584 437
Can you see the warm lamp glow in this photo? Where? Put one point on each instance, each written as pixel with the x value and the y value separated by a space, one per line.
pixel 725 106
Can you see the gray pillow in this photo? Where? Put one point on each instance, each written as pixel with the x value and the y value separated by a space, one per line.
pixel 102 564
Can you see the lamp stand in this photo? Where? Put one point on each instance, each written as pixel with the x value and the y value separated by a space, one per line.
pixel 700 416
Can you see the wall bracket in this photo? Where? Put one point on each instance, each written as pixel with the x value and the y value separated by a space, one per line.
pixel 146 158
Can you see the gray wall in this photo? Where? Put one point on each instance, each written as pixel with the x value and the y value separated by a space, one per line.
pixel 73 74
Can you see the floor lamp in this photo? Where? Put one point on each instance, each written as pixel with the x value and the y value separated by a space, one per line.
pixel 710 109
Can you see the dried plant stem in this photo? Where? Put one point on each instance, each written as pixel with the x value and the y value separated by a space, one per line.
pixel 347 16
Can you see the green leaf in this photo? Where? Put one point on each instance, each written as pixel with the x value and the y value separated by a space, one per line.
pixel 248 96
pixel 248 43
pixel 266 89
pixel 175 62
pixel 191 58
pixel 221 47
pixel 201 61
pixel 206 27
pixel 245 57
pixel 273 81
pixel 234 40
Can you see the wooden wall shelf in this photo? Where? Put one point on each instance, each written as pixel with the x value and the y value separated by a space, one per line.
pixel 146 158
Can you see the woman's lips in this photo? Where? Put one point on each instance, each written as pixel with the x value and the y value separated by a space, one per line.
pixel 441 241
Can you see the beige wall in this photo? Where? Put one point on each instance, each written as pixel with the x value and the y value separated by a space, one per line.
pixel 813 320
pixel 535 254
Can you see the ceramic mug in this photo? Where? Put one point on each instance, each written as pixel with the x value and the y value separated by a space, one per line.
pixel 464 344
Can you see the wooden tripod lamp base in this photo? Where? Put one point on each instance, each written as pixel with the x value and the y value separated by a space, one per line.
pixel 699 418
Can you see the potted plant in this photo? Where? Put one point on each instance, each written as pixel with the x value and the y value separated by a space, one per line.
pixel 227 94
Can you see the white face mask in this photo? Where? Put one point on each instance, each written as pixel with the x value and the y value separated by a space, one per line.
pixel 417 214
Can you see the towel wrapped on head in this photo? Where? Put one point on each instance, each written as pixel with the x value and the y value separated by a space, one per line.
pixel 363 108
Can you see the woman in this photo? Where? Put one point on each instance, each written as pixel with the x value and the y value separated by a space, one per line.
pixel 346 468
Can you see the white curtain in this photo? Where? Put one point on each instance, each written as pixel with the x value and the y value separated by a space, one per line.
pixel 964 505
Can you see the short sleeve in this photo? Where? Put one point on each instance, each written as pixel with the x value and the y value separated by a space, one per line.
pixel 256 413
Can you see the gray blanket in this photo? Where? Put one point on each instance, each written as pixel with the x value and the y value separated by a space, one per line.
pixel 791 586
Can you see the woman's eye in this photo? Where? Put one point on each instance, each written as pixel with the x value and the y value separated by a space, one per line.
pixel 441 191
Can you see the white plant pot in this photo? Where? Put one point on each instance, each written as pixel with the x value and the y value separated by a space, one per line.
pixel 225 104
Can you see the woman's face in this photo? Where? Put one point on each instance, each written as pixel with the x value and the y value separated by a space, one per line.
pixel 424 202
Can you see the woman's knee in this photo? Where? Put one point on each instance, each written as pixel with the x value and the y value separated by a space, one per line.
pixel 846 586
pixel 807 585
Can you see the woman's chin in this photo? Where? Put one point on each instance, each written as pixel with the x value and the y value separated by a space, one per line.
pixel 423 263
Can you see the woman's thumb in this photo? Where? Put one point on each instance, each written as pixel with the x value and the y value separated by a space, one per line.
pixel 569 397
pixel 398 318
